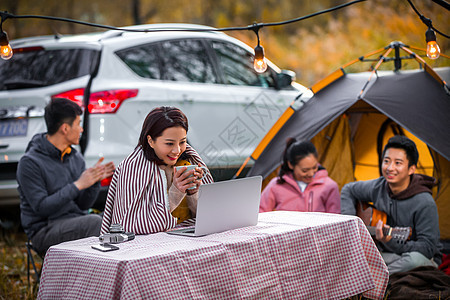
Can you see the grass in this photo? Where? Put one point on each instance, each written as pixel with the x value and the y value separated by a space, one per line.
pixel 13 266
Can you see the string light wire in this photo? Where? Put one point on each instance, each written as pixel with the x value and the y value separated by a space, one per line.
pixel 427 21
pixel 260 63
pixel 255 27
pixel 5 15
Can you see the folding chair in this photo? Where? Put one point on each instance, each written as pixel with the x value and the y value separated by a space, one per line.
pixel 30 261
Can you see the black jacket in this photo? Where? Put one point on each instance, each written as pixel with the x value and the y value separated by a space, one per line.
pixel 46 185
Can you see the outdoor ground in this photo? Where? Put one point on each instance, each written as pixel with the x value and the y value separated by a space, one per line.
pixel 13 269
pixel 13 258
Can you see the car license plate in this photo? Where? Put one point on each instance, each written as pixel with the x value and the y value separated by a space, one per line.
pixel 17 127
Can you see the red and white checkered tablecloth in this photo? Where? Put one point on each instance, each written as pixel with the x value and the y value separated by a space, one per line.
pixel 288 255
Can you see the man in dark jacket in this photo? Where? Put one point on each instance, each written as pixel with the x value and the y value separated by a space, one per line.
pixel 55 188
pixel 406 199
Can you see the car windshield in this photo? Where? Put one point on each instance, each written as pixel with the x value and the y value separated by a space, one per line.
pixel 37 67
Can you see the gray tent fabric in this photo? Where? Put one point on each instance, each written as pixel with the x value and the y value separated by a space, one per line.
pixel 416 102
pixel 413 99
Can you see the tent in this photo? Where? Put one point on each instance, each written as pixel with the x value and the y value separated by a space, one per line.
pixel 351 117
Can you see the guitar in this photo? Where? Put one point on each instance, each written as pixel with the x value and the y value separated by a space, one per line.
pixel 370 216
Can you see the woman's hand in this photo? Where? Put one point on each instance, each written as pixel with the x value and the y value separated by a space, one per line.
pixel 183 180
pixel 198 174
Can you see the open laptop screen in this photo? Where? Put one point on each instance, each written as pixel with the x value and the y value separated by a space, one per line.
pixel 226 205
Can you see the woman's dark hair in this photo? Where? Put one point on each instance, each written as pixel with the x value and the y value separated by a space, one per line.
pixel 158 120
pixel 404 143
pixel 293 153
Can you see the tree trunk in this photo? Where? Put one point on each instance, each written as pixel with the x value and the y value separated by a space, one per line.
pixel 136 9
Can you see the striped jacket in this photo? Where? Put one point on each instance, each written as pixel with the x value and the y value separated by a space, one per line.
pixel 136 197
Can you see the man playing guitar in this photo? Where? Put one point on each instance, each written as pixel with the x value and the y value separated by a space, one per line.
pixel 406 200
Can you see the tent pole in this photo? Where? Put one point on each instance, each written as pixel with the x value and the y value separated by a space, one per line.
pixel 427 68
pixel 397 59
pixel 241 168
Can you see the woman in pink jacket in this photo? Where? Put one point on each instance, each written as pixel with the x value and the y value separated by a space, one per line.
pixel 302 184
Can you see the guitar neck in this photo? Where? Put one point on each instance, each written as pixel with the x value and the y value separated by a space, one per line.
pixel 401 234
pixel 386 231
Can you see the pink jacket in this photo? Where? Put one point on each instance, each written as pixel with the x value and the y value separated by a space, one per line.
pixel 321 195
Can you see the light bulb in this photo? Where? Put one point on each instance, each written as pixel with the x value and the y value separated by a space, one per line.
pixel 5 49
pixel 260 65
pixel 259 62
pixel 6 52
pixel 433 50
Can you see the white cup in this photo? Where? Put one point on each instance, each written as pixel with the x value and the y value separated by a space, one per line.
pixel 192 167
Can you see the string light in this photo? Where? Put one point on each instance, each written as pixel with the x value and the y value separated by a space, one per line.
pixel 5 48
pixel 259 51
pixel 433 50
pixel 259 61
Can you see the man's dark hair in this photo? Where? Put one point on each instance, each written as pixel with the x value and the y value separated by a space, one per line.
pixel 404 143
pixel 60 111
pixel 158 120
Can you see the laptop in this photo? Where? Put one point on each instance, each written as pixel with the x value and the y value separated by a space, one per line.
pixel 225 205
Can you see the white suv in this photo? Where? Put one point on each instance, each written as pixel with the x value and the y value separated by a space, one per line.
pixel 120 76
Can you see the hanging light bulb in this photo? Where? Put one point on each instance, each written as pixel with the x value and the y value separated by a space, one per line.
pixel 259 62
pixel 433 50
pixel 5 49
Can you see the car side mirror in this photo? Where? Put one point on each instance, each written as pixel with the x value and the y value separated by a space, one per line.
pixel 285 78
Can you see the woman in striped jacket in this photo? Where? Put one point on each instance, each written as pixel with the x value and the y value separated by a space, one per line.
pixel 146 194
